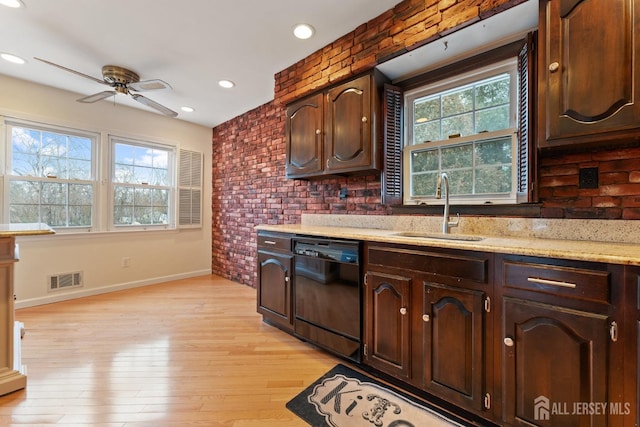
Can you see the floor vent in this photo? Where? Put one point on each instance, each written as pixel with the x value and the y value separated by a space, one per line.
pixel 65 280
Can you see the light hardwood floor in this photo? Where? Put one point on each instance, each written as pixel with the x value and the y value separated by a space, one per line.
pixel 189 352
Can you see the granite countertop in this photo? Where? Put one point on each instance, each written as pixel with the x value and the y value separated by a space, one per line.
pixel 626 253
pixel 30 229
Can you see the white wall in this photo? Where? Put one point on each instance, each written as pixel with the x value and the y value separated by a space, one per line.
pixel 155 256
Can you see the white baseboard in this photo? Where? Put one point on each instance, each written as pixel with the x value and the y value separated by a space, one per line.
pixel 80 293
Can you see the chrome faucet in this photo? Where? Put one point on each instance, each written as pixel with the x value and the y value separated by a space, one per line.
pixel 446 224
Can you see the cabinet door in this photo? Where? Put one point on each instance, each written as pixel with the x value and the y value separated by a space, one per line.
pixel 348 135
pixel 452 344
pixel 632 346
pixel 274 288
pixel 553 359
pixel 387 322
pixel 589 67
pixel 304 137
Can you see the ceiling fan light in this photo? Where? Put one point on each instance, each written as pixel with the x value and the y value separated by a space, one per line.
pixel 12 58
pixel 303 31
pixel 12 3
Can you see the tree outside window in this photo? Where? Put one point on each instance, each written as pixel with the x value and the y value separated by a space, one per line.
pixel 51 177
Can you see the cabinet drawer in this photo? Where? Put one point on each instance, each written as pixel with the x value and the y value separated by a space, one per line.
pixel 457 266
pixel 565 281
pixel 275 241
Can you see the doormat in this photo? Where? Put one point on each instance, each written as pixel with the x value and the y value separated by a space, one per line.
pixel 345 398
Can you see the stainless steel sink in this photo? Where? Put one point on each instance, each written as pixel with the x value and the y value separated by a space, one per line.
pixel 439 236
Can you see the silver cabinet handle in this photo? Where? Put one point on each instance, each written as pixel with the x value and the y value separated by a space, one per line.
pixel 403 311
pixel 269 242
pixel 318 131
pixel 286 278
pixel 426 318
pixel 554 66
pixel 364 119
pixel 508 341
pixel 552 282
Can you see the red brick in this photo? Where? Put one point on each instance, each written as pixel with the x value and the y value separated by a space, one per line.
pixel 631 213
pixel 559 181
pixel 606 202
pixel 634 177
pixel 567 169
pixel 613 178
pixel 620 189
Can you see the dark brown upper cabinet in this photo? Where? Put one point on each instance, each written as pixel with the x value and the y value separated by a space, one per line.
pixel 304 137
pixel 337 131
pixel 589 72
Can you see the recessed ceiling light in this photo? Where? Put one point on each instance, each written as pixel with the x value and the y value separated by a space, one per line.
pixel 12 58
pixel 227 84
pixel 12 3
pixel 188 109
pixel 303 31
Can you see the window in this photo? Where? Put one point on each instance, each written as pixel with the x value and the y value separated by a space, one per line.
pixel 463 126
pixel 142 184
pixel 74 182
pixel 469 119
pixel 51 176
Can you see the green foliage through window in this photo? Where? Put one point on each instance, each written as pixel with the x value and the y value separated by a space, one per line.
pixel 141 184
pixel 466 128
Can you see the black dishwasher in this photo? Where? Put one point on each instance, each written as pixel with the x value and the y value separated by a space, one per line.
pixel 327 289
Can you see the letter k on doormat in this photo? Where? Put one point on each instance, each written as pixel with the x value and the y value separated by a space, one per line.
pixel 346 398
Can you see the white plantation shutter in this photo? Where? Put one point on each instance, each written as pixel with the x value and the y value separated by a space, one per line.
pixel 190 189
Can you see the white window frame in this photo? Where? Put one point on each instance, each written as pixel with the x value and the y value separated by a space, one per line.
pixel 171 186
pixel 509 66
pixel 8 124
pixel 102 178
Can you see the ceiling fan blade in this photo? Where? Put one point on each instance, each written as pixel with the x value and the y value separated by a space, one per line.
pixel 145 85
pixel 97 97
pixel 146 101
pixel 72 71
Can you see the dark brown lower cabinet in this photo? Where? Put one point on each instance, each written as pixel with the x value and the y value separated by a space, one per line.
pixel 275 271
pixel 555 361
pixel 508 340
pixel 563 345
pixel 387 332
pixel 426 321
pixel 453 330
pixel 632 346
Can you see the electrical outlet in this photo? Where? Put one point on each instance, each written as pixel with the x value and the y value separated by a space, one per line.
pixel 126 262
pixel 588 178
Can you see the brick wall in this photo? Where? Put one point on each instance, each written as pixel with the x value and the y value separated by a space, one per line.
pixel 249 185
pixel 617 195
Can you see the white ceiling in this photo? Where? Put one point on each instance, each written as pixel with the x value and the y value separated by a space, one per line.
pixel 189 44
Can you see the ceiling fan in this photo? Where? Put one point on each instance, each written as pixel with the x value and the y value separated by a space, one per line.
pixel 122 81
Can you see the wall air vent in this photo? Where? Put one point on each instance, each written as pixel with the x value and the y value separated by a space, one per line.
pixel 65 280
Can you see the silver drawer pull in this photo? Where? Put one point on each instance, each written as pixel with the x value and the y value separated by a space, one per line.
pixel 269 242
pixel 552 282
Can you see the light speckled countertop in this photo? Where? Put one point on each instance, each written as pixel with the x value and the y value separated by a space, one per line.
pixel 586 240
pixel 30 229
